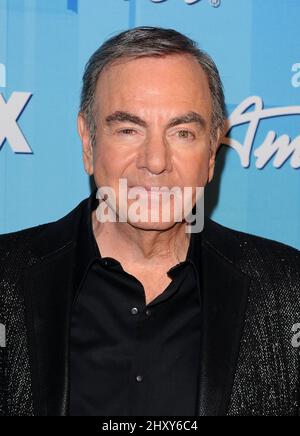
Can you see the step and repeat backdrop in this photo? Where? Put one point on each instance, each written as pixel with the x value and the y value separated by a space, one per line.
pixel 44 45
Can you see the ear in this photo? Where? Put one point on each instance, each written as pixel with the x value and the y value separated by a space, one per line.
pixel 87 147
pixel 215 144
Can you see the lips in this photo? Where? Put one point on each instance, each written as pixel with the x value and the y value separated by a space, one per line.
pixel 150 188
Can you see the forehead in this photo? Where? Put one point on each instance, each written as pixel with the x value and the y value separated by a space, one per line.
pixel 166 84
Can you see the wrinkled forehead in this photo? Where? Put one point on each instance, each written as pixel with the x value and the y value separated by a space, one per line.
pixel 154 83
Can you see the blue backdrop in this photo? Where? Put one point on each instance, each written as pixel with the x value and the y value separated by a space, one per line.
pixel 44 45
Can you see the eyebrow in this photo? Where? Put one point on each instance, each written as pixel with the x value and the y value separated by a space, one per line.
pixel 189 117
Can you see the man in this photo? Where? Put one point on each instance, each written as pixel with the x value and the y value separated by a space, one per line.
pixel 142 317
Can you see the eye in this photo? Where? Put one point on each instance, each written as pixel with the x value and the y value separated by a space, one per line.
pixel 126 131
pixel 185 134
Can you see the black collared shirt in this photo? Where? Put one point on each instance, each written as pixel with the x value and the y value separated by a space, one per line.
pixel 128 358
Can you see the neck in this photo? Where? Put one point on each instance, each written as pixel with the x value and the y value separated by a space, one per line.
pixel 138 245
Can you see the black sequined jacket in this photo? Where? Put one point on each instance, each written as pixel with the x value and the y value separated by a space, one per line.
pixel 250 342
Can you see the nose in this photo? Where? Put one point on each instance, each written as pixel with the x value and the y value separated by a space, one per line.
pixel 155 155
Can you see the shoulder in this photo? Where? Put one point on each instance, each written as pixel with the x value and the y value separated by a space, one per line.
pixel 16 238
pixel 24 247
pixel 232 242
pixel 262 259
pixel 14 245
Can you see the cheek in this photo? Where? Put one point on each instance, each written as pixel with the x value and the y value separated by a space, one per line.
pixel 108 165
pixel 193 168
pixel 103 164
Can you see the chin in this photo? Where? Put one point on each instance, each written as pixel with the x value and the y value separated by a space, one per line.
pixel 160 226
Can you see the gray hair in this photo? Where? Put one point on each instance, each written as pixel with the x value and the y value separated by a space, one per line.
pixel 148 41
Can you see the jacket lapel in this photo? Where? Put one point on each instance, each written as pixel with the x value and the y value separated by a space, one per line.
pixel 49 287
pixel 224 291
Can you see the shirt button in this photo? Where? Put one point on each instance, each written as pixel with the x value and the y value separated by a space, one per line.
pixel 134 310
pixel 139 378
pixel 148 312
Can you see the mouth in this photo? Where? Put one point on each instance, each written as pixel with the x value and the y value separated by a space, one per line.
pixel 149 188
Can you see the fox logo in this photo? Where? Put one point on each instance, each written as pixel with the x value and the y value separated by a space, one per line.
pixel 10 112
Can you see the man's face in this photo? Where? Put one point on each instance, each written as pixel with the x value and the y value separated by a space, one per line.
pixel 153 118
